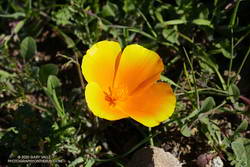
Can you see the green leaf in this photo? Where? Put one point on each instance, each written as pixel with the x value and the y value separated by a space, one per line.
pixel 159 16
pixel 233 17
pixel 141 32
pixel 186 131
pixel 28 47
pixel 72 149
pixel 5 74
pixel 10 87
pixel 224 48
pixel 90 163
pixel 226 142
pixel 207 104
pixel 53 83
pixel 246 143
pixel 242 127
pixel 240 152
pixel 69 41
pixel 171 35
pixel 76 162
pixel 46 70
pixel 203 12
pixel 109 9
pixel 13 15
pixel 19 26
pixel 129 5
pixel 62 16
pixel 203 22
pixel 174 22
pixel 234 91
pixel 11 129
pixel 179 2
pixel 164 78
pixel 207 59
pixel 192 114
pixel 212 131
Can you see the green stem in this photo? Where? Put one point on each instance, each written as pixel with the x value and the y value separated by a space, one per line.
pixel 242 64
pixel 231 59
pixel 221 79
pixel 78 66
pixel 36 106
pixel 201 58
pixel 151 140
pixel 148 24
pixel 195 83
pixel 202 115
pixel 210 90
pixel 224 86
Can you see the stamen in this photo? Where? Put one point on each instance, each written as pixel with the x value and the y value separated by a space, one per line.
pixel 112 95
pixel 109 98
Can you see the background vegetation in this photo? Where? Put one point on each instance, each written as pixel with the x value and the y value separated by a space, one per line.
pixel 204 46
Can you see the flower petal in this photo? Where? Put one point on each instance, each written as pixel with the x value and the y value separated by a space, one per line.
pixel 99 63
pixel 152 106
pixel 95 98
pixel 138 68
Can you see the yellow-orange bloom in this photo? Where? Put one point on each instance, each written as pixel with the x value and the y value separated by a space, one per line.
pixel 123 84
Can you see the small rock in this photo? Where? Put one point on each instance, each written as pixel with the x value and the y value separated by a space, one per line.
pixel 204 159
pixel 217 162
pixel 209 160
pixel 153 157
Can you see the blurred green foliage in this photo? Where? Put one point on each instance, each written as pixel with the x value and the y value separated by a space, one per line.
pixel 204 45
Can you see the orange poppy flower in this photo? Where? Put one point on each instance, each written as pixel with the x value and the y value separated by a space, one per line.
pixel 123 84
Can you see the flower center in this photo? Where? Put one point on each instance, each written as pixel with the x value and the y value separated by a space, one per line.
pixel 110 100
pixel 109 97
pixel 114 94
